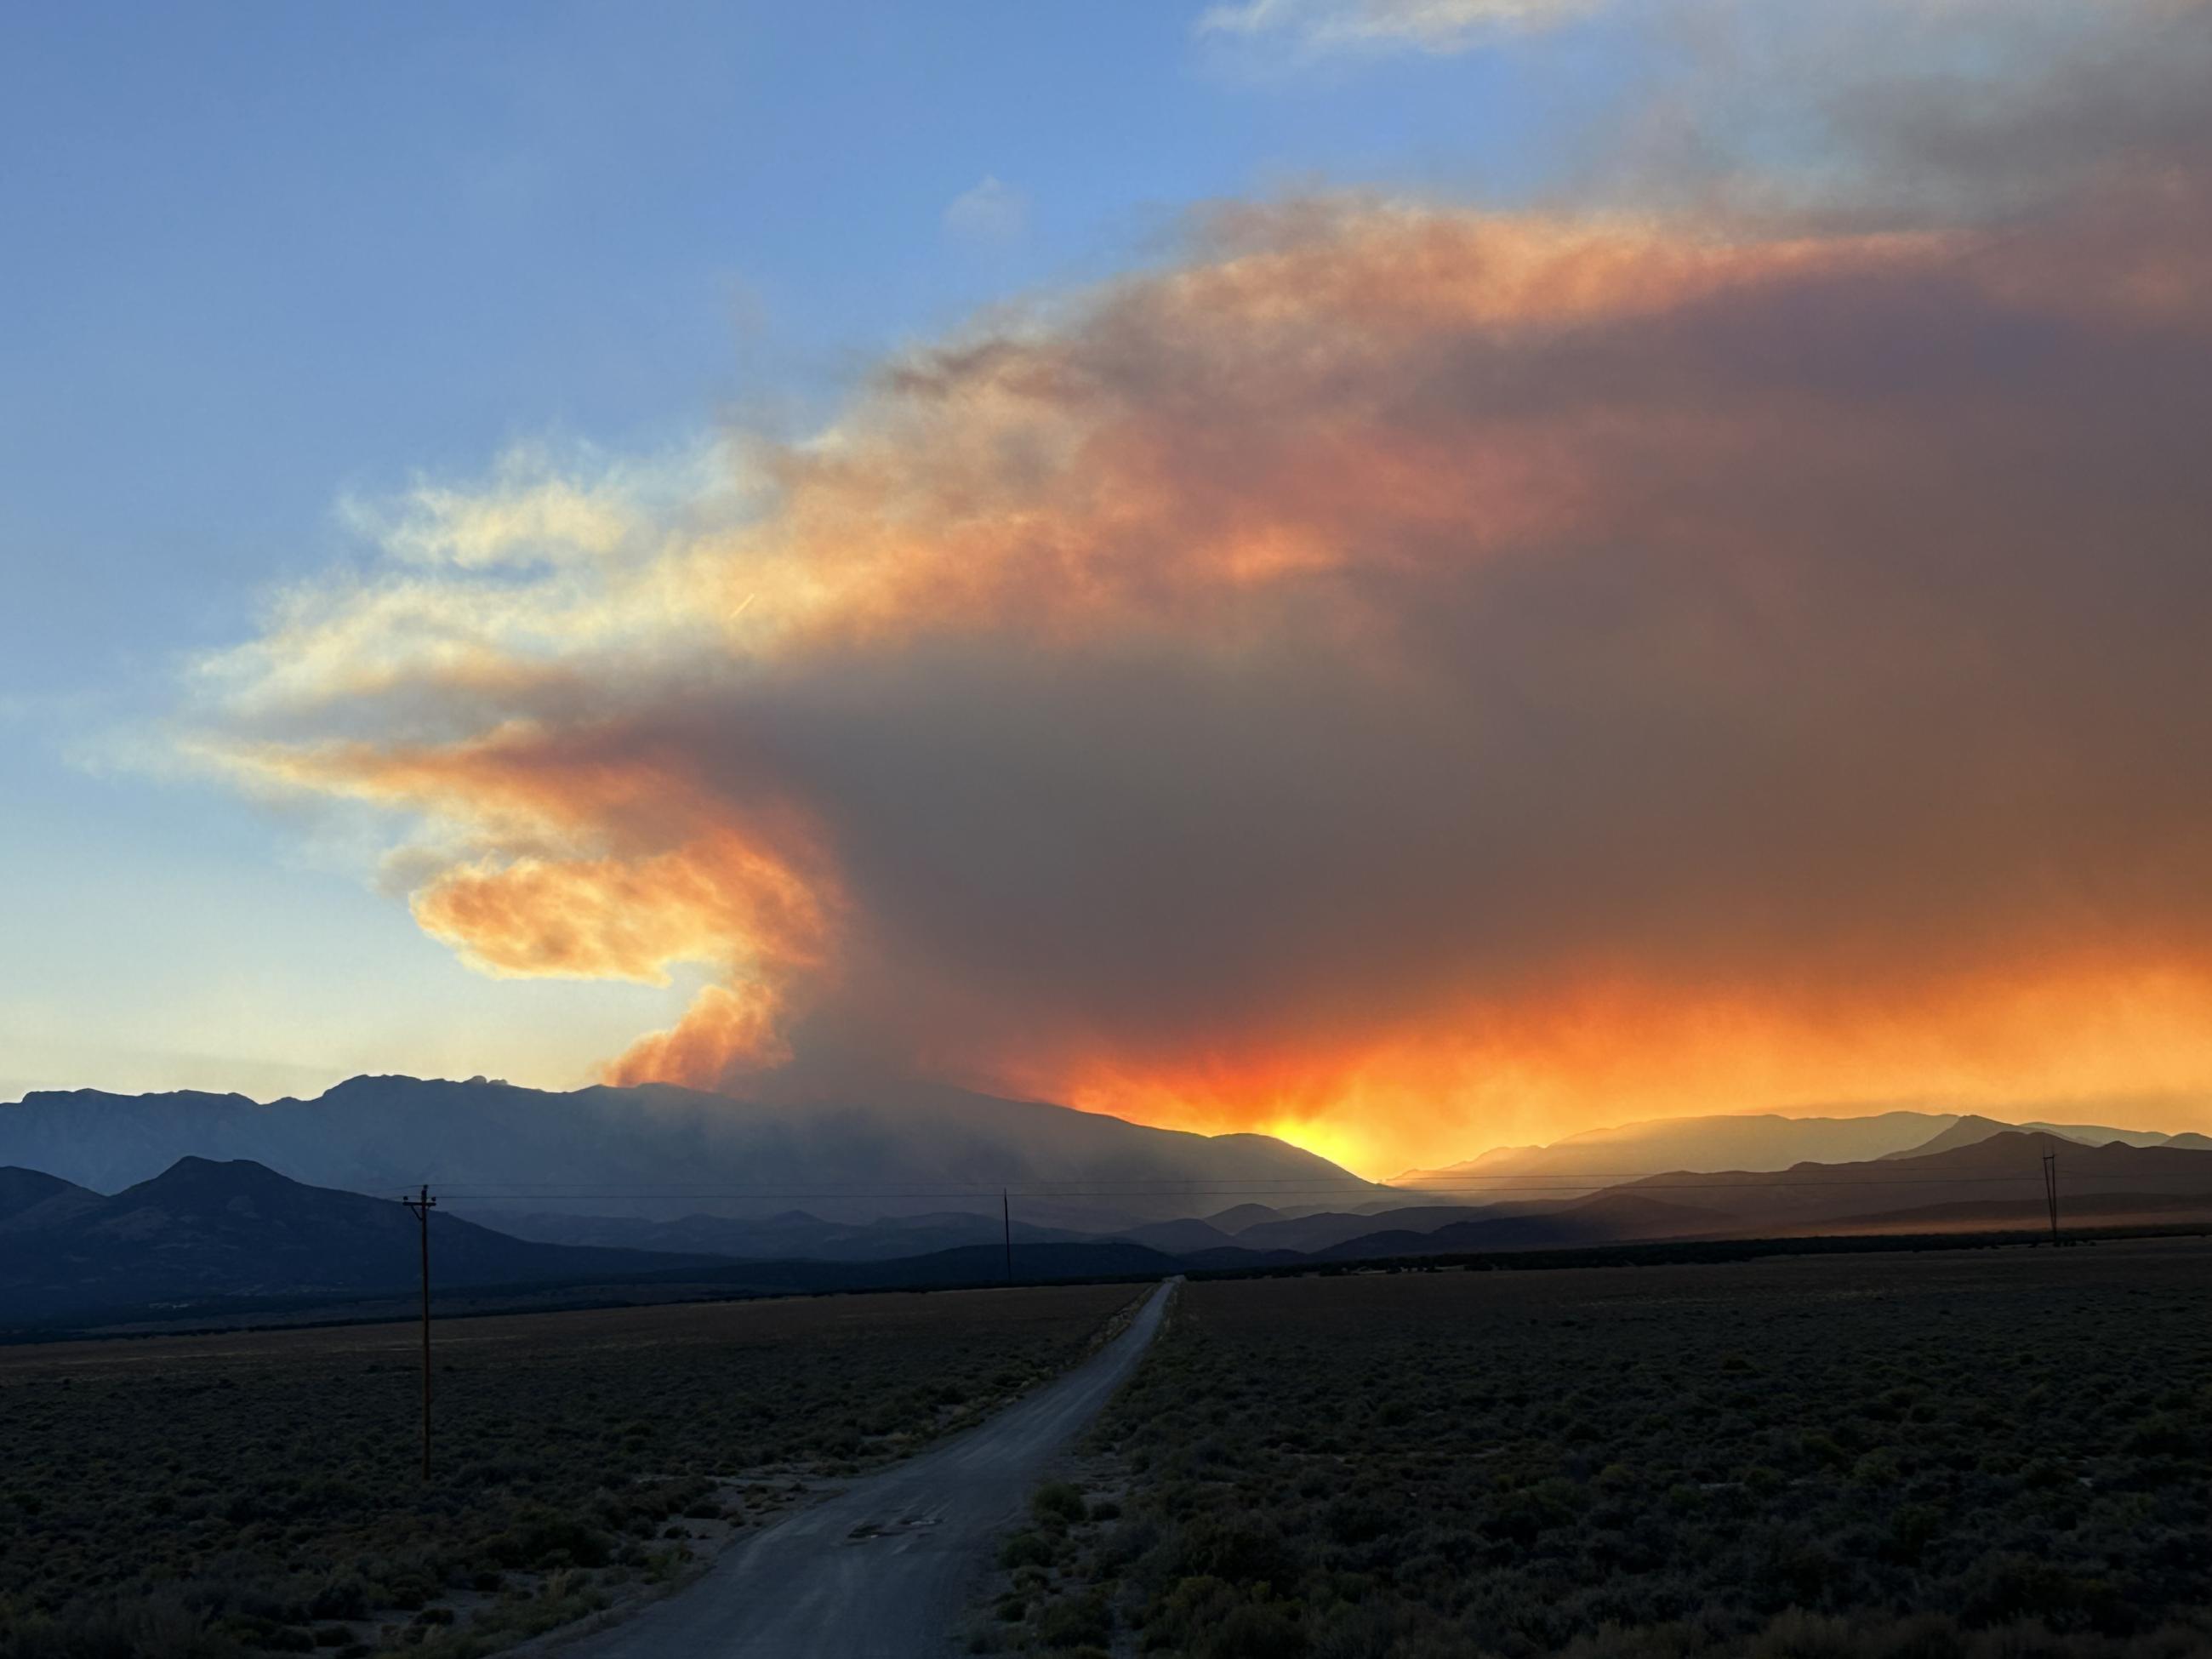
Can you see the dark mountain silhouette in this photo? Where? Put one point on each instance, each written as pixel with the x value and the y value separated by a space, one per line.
pixel 1330 1228
pixel 205 1231
pixel 207 1240
pixel 852 1154
pixel 1969 1131
pixel 2006 1166
pixel 31 1197
pixel 216 1241
pixel 23 1189
pixel 1609 1218
pixel 1764 1142
pixel 1600 1158
pixel 1179 1238
pixel 2099 1134
pixel 1238 1217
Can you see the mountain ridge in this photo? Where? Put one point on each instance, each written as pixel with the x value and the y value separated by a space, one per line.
pixel 1716 1140
pixel 206 1229
pixel 1826 1194
pixel 659 1151
pixel 1750 1141
pixel 211 1239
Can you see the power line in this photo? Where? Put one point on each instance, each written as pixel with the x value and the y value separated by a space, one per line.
pixel 542 1189
pixel 1715 1183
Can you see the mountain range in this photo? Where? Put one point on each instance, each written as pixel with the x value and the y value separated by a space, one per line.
pixel 205 1231
pixel 857 1154
pixel 216 1199
pixel 1753 1143
pixel 205 1240
pixel 2004 1169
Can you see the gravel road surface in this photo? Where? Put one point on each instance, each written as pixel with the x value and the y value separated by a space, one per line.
pixel 886 1569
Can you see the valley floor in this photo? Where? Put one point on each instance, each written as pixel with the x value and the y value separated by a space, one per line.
pixel 201 1498
pixel 2004 1452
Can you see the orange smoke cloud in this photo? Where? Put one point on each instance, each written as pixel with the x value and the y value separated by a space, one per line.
pixel 729 1031
pixel 1405 679
pixel 582 865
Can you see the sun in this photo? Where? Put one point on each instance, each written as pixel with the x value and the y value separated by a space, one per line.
pixel 1342 1145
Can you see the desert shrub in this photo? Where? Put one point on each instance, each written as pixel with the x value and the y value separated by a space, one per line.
pixel 1025 1549
pixel 1057 1501
pixel 1254 1631
pixel 1235 1550
pixel 1849 1456
pixel 1076 1621
pixel 215 1498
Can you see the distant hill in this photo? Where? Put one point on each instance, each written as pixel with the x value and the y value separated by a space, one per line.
pixel 1768 1141
pixel 852 1154
pixel 30 1198
pixel 1969 1130
pixel 25 1189
pixel 1177 1238
pixel 2099 1134
pixel 1237 1217
pixel 1600 1157
pixel 1330 1228
pixel 1609 1218
pixel 2007 1166
pixel 211 1241
pixel 205 1231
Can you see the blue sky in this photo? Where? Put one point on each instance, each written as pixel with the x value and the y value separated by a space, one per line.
pixel 266 259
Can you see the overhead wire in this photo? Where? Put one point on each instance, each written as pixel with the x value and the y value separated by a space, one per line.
pixel 1724 1182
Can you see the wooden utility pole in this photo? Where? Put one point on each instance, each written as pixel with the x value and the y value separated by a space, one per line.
pixel 422 1206
pixel 2051 1186
pixel 1006 1219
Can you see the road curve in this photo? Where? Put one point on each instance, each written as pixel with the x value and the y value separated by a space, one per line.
pixel 884 1569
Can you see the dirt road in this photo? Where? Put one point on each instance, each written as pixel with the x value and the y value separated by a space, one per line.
pixel 884 1569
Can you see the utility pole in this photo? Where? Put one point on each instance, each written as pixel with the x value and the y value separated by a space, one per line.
pixel 422 1206
pixel 2050 1186
pixel 1007 1219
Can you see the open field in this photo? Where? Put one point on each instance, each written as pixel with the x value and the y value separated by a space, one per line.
pixel 215 1496
pixel 1965 1453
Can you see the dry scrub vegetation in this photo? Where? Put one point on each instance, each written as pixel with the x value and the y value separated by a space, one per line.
pixel 202 1498
pixel 1993 1452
